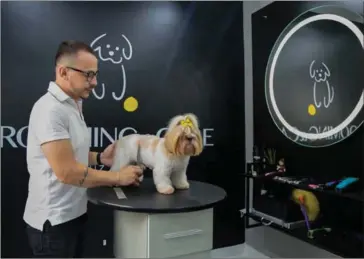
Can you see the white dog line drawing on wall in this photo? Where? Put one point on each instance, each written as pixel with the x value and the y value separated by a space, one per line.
pixel 321 77
pixel 168 157
pixel 107 54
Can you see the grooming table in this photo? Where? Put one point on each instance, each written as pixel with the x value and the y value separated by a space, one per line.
pixel 151 225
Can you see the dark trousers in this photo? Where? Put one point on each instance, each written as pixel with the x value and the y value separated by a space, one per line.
pixel 65 240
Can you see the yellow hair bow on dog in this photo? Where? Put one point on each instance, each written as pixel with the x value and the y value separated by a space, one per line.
pixel 186 123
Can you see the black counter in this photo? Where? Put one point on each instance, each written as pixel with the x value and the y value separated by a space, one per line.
pixel 146 199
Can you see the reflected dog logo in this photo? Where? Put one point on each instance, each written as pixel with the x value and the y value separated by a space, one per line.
pixel 320 74
pixel 115 55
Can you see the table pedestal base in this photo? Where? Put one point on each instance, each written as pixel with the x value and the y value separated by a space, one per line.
pixel 143 235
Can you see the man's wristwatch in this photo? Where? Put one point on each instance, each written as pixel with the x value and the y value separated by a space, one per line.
pixel 98 159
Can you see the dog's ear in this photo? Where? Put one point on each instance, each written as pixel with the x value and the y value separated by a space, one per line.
pixel 312 70
pixel 98 42
pixel 171 140
pixel 127 49
pixel 327 71
pixel 197 132
pixel 199 147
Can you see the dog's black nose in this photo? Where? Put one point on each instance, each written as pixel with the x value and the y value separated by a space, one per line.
pixel 189 138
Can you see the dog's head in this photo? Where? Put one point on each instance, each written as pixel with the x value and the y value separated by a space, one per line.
pixel 183 136
pixel 111 52
pixel 319 72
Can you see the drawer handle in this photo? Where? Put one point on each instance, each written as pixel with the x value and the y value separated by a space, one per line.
pixel 186 233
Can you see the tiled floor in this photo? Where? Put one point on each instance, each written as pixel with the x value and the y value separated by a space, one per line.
pixel 238 251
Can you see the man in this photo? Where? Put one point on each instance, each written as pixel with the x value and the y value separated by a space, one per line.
pixel 58 157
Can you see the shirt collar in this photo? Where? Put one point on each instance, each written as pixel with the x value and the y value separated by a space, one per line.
pixel 57 92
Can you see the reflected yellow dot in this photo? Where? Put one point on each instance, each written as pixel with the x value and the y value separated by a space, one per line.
pixel 130 104
pixel 311 110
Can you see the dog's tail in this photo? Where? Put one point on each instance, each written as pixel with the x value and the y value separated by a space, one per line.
pixel 119 143
pixel 119 156
pixel 120 135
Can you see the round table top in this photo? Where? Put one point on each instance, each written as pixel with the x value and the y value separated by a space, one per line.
pixel 146 198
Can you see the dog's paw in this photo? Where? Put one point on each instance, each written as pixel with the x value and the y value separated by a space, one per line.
pixel 165 189
pixel 182 185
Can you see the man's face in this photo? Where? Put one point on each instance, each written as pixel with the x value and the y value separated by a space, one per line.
pixel 82 74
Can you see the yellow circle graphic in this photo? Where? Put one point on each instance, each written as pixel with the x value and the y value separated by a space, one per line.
pixel 311 110
pixel 130 104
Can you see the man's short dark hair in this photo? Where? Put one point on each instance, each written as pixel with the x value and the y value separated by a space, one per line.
pixel 71 47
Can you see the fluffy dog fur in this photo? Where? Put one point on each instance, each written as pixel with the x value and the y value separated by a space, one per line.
pixel 167 157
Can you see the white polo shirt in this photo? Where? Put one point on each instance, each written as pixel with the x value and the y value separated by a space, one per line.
pixel 54 116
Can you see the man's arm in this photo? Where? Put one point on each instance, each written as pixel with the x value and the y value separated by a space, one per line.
pixel 92 160
pixel 60 156
pixel 50 126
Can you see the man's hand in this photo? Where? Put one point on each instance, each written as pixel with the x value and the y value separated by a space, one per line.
pixel 129 175
pixel 107 156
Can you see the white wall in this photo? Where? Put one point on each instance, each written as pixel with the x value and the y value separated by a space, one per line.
pixel 266 240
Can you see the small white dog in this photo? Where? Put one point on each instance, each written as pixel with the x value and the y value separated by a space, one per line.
pixel 168 157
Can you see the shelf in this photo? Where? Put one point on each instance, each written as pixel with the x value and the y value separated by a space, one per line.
pixel 353 196
pixel 335 238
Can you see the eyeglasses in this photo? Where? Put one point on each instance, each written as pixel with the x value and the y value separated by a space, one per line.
pixel 88 74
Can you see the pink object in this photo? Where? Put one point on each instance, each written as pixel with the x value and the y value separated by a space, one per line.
pixel 314 186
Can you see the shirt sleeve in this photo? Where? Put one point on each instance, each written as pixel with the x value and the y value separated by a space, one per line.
pixel 50 124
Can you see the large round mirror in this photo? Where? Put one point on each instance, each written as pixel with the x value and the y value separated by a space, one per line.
pixel 315 77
